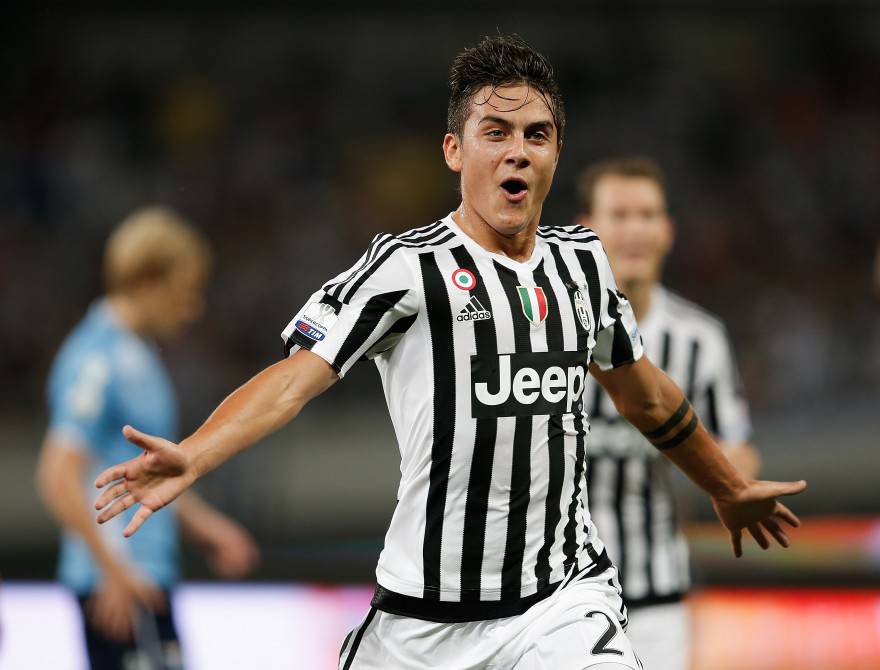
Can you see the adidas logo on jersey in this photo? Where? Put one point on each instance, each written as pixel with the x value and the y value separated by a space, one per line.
pixel 473 311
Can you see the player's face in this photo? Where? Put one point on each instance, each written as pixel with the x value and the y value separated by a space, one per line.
pixel 176 301
pixel 506 156
pixel 629 215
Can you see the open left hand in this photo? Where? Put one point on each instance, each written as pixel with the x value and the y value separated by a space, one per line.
pixel 756 509
pixel 153 479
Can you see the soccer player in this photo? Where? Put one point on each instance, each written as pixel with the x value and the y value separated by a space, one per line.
pixel 483 327
pixel 108 371
pixel 630 497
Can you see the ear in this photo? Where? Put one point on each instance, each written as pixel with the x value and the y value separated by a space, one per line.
pixel 452 151
pixel 558 151
pixel 670 233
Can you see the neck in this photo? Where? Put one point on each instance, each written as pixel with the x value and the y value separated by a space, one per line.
pixel 125 308
pixel 639 294
pixel 518 246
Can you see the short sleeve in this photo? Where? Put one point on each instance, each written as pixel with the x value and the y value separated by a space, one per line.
pixel 727 410
pixel 618 341
pixel 79 397
pixel 360 314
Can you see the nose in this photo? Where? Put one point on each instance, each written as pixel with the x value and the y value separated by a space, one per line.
pixel 517 155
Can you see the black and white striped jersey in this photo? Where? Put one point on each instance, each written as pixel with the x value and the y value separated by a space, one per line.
pixel 630 496
pixel 483 362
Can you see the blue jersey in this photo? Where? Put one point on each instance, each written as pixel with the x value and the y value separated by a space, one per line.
pixel 104 377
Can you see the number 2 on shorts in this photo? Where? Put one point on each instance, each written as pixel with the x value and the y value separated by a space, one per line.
pixel 601 646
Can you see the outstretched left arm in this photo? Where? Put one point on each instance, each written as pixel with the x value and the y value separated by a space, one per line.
pixel 656 406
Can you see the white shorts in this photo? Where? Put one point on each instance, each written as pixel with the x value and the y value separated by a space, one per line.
pixel 661 635
pixel 577 627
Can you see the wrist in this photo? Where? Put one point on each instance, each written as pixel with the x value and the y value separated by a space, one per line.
pixel 730 489
pixel 195 462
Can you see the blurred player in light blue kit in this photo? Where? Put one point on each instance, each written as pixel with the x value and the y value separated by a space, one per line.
pixel 108 373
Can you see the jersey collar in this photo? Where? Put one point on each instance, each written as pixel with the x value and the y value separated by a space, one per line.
pixel 472 246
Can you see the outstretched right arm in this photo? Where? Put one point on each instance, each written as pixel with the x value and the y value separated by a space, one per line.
pixel 165 470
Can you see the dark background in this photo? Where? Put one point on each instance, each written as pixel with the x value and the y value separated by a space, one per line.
pixel 292 137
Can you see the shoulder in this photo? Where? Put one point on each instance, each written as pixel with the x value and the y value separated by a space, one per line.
pixel 435 234
pixel 695 317
pixel 568 235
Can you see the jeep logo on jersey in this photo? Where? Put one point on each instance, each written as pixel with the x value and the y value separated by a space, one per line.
pixel 534 303
pixel 528 384
pixel 464 279
pixel 580 308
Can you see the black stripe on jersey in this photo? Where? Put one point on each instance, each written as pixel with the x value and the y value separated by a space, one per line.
pixel 570 547
pixel 440 322
pixel 591 273
pixel 664 350
pixel 357 638
pixel 572 232
pixel 693 360
pixel 520 477
pixel 555 437
pixel 369 318
pixel 619 482
pixel 621 346
pixel 391 336
pixel 648 511
pixel 434 238
pixel 333 302
pixel 446 611
pixel 480 477
pixel 553 235
pixel 712 410
pixel 596 405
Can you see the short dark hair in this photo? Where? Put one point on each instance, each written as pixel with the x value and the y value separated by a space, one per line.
pixel 622 166
pixel 503 60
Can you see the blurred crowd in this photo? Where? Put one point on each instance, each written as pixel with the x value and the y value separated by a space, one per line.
pixel 292 139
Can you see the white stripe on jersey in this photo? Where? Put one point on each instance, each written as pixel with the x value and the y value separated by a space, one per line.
pixel 630 497
pixel 488 412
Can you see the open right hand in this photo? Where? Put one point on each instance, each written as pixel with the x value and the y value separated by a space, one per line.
pixel 115 604
pixel 153 479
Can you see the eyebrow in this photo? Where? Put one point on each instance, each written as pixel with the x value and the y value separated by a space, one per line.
pixel 504 122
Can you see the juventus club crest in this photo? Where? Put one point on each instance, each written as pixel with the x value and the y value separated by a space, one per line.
pixel 534 303
pixel 580 308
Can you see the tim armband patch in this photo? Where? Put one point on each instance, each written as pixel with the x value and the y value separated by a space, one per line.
pixel 316 321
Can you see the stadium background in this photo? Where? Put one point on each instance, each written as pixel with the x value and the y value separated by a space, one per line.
pixel 291 137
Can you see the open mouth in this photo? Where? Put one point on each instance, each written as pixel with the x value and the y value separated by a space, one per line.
pixel 514 186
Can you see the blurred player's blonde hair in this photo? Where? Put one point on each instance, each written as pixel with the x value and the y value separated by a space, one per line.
pixel 149 244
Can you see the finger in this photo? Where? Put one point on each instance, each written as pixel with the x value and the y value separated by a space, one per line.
pixel 776 489
pixel 118 507
pixel 736 541
pixel 776 531
pixel 142 440
pixel 786 515
pixel 756 532
pixel 137 520
pixel 111 494
pixel 110 475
